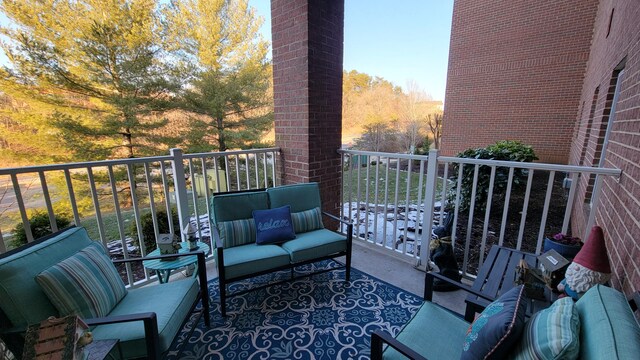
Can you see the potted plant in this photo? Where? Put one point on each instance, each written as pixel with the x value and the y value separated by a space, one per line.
pixel 565 245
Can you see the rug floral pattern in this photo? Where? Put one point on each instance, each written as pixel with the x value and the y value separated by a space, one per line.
pixel 315 317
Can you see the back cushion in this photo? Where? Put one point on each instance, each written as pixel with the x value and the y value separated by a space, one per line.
pixel 228 207
pixel 85 284
pixel 608 327
pixel 21 298
pixel 307 220
pixel 237 232
pixel 300 197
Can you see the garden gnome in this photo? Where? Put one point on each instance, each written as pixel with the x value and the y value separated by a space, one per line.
pixel 589 268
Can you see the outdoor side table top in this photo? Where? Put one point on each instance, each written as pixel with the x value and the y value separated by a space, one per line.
pixel 163 268
pixel 497 275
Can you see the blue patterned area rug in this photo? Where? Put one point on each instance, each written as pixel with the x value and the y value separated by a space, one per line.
pixel 315 317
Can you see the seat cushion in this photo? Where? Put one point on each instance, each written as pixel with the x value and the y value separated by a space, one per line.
pixel 252 258
pixel 171 302
pixel 429 324
pixel 307 220
pixel 273 226
pixel 237 232
pixel 315 244
pixel 493 333
pixel 552 333
pixel 300 197
pixel 85 284
pixel 608 327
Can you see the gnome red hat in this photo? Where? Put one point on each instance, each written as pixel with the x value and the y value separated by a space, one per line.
pixel 590 266
pixel 593 254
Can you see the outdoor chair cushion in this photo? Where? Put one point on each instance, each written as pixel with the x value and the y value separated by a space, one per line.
pixel 314 244
pixel 252 258
pixel 238 206
pixel 18 272
pixel 85 284
pixel 307 220
pixel 497 328
pixel 300 197
pixel 552 333
pixel 608 327
pixel 429 323
pixel 171 302
pixel 273 226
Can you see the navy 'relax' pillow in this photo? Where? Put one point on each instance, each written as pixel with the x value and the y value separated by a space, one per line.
pixel 273 225
pixel 497 328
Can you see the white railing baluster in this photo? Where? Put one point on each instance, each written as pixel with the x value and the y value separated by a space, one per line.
pixel 487 213
pixel 357 165
pixel 375 218
pixel 47 201
pixel 505 209
pixel 237 161
pixel 72 197
pixel 472 206
pixel 255 166
pixel 180 188
pixel 123 238
pixel 395 205
pixel 215 168
pixel 265 169
pixel 207 194
pixel 136 209
pixel 454 230
pixel 152 204
pixel 194 195
pixel 427 215
pixel 367 202
pixel 23 210
pixel 443 194
pixel 96 205
pixel 525 208
pixel 406 211
pixel 570 201
pixel 386 204
pixel 246 170
pixel 545 211
pixel 167 197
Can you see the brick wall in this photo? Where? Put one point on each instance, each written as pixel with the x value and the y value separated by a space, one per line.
pixel 619 212
pixel 307 82
pixel 515 73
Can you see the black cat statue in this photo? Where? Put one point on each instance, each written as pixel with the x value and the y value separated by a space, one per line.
pixel 442 255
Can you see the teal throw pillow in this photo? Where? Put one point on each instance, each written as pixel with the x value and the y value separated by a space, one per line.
pixel 307 220
pixel 85 284
pixel 237 232
pixel 552 333
pixel 497 328
pixel 273 225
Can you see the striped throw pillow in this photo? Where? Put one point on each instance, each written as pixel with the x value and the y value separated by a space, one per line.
pixel 308 220
pixel 85 284
pixel 237 232
pixel 552 333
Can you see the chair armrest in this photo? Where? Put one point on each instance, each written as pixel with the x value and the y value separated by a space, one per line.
pixel 150 328
pixel 430 276
pixel 337 218
pixel 379 337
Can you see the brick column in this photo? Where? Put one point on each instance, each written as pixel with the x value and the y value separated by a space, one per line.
pixel 307 85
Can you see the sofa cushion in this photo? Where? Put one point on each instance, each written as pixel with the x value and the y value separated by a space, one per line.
pixel 497 328
pixel 237 232
pixel 608 327
pixel 18 272
pixel 252 258
pixel 300 197
pixel 315 244
pixel 226 207
pixel 552 333
pixel 85 284
pixel 171 302
pixel 307 220
pixel 273 225
pixel 432 322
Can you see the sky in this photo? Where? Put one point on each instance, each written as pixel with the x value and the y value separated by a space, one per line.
pixel 400 40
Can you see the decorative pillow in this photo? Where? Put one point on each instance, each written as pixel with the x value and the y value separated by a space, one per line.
pixel 85 284
pixel 308 220
pixel 273 225
pixel 237 232
pixel 552 333
pixel 497 328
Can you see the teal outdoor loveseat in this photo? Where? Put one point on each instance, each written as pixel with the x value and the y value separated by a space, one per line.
pixel 238 255
pixel 145 320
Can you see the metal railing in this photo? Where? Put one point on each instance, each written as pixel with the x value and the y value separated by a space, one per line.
pixel 107 197
pixel 391 197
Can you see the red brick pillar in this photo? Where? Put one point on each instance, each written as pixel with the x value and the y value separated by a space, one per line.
pixel 307 86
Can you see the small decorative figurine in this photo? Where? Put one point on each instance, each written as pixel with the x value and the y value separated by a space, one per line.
pixel 190 232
